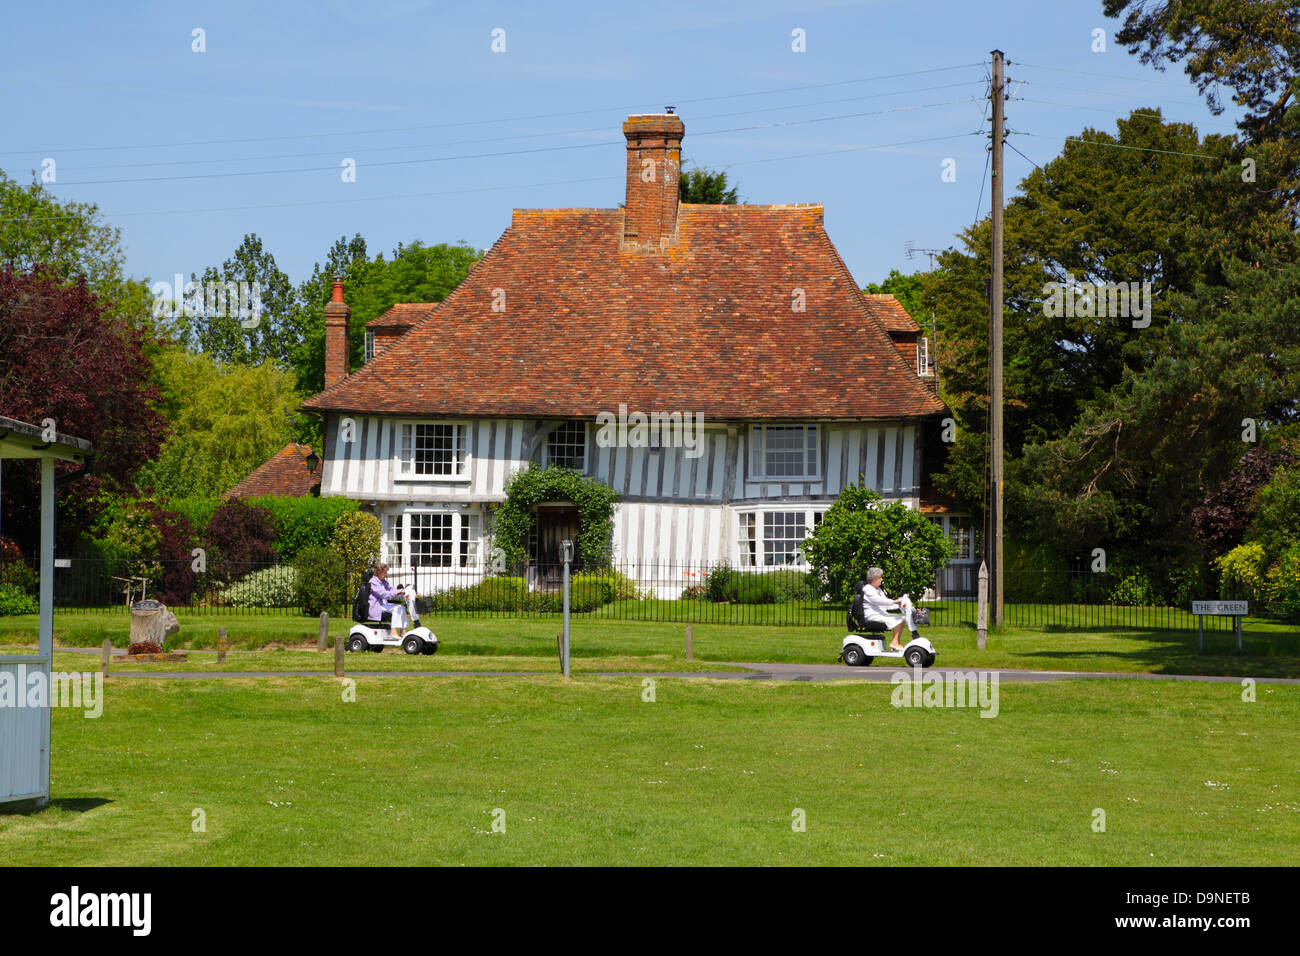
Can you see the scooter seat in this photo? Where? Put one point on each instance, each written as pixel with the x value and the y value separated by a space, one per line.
pixel 869 627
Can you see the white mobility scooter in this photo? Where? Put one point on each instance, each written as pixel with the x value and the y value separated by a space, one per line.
pixel 866 640
pixel 367 635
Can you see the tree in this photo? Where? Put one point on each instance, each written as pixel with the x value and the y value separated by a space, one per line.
pixel 705 186
pixel 860 530
pixel 1252 46
pixel 69 240
pixel 64 357
pixel 416 273
pixel 225 422
pixel 235 334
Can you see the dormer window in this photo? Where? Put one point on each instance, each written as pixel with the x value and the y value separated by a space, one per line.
pixel 370 346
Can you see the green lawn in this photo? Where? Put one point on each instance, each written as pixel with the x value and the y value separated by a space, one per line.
pixel 528 643
pixel 287 773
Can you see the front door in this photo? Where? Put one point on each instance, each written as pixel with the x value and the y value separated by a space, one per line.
pixel 555 523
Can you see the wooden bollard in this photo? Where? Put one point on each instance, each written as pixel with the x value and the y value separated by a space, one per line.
pixel 106 656
pixel 221 645
pixel 690 642
pixel 339 644
pixel 323 635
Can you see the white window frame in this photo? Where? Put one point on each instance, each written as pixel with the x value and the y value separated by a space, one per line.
pixel 369 347
pixel 466 552
pixel 402 468
pixel 951 523
pixel 586 443
pixel 758 452
pixel 812 516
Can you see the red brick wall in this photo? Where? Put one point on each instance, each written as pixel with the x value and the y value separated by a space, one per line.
pixel 654 171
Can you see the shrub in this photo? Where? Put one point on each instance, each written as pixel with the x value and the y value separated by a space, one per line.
pixel 789 585
pixel 720 584
pixel 621 587
pixel 1244 569
pixel 320 581
pixel 356 541
pixel 176 580
pixel 21 575
pixel 303 522
pixel 861 530
pixel 490 594
pixel 268 587
pixel 241 536
pixel 755 589
pixel 13 600
pixel 1133 589
pixel 517 517
pixel 1282 586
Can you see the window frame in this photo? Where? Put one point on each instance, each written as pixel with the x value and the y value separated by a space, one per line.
pixel 368 350
pixel 757 517
pixel 586 444
pixel 758 451
pixel 465 538
pixel 402 468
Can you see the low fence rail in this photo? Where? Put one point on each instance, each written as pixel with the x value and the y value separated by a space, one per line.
pixel 632 591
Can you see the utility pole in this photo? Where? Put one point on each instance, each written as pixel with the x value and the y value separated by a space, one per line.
pixel 993 542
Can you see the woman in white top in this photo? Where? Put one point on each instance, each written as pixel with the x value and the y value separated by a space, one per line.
pixel 876 604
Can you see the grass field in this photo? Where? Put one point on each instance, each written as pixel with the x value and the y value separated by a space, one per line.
pixel 600 644
pixel 287 773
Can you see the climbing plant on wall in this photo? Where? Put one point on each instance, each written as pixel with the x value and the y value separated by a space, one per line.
pixel 527 489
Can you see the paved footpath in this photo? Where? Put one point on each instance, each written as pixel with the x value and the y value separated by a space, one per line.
pixel 787 672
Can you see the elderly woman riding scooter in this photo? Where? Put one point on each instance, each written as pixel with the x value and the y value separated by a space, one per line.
pixel 876 603
pixel 381 599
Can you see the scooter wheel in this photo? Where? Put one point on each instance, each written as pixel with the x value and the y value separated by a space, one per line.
pixel 854 657
pixel 917 657
pixel 412 645
pixel 356 644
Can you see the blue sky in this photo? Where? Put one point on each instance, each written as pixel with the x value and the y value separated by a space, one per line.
pixel 150 130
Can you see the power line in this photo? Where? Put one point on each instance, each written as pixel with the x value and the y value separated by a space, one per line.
pixel 514 136
pixel 1111 76
pixel 510 119
pixel 456 192
pixel 1142 149
pixel 1107 109
pixel 517 152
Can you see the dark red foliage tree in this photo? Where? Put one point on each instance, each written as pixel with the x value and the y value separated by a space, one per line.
pixel 241 538
pixel 175 554
pixel 1224 515
pixel 62 356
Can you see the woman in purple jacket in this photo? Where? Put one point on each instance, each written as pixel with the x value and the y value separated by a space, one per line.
pixel 381 600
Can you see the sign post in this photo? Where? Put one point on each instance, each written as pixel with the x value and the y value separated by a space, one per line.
pixel 566 552
pixel 1233 609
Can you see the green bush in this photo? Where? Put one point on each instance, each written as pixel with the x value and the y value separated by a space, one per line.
pixel 1282 586
pixel 320 581
pixel 1133 589
pixel 789 585
pixel 621 587
pixel 720 584
pixel 21 575
pixel 490 594
pixel 268 587
pixel 755 589
pixel 13 600
pixel 511 594
pixel 1244 569
pixel 356 541
pixel 303 522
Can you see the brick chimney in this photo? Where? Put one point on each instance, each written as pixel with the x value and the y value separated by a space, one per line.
pixel 337 349
pixel 654 172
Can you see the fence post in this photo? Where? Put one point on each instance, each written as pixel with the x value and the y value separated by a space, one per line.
pixel 323 636
pixel 106 656
pixel 339 644
pixel 982 615
pixel 221 645
pixel 690 642
pixel 1200 634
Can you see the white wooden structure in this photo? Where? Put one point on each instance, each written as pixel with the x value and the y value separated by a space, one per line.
pixel 25 731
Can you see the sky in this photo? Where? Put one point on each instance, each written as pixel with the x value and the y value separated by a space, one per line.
pixel 187 151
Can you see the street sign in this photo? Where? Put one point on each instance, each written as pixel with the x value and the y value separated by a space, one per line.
pixel 1220 608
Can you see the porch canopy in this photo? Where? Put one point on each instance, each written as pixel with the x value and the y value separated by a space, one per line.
pixel 25 732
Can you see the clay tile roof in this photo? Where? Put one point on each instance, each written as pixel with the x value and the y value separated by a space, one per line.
pixel 285 474
pixel 402 315
pixel 705 326
pixel 893 316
